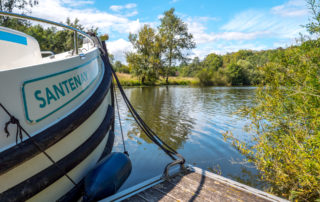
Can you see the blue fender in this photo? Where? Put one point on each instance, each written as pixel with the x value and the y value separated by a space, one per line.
pixel 107 176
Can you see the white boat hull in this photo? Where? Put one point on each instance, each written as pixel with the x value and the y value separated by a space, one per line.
pixel 66 106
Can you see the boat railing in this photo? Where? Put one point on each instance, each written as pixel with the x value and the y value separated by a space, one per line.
pixel 76 32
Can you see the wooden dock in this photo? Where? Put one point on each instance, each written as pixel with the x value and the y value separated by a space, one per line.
pixel 193 184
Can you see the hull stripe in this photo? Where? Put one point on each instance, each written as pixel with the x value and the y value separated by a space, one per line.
pixel 43 179
pixel 26 149
pixel 76 192
pixel 14 38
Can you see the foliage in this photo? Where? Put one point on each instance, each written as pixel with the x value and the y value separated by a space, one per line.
pixel 174 39
pixel 286 121
pixel 145 62
pixel 192 68
pixel 119 67
pixel 238 68
pixel 130 80
pixel 213 61
pixel 50 38
pixel 205 76
pixel 156 51
pixel 236 74
pixel 9 5
pixel 314 25
pixel 21 5
pixel 220 78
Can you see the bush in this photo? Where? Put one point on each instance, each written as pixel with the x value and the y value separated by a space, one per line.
pixel 286 120
pixel 205 76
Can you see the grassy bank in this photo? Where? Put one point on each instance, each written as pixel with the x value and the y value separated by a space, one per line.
pixel 129 80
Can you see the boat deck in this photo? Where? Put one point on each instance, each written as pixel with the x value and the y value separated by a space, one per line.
pixel 192 185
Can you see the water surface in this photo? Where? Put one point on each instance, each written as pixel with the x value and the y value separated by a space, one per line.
pixel 192 121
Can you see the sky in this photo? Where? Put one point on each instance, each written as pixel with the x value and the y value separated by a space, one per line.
pixel 218 26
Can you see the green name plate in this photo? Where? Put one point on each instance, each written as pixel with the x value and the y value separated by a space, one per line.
pixel 46 95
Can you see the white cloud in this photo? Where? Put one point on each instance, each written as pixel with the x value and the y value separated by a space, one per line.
pixel 198 29
pixel 160 16
pixel 133 13
pixel 282 26
pixel 251 29
pixel 74 3
pixel 291 8
pixel 222 47
pixel 246 30
pixel 118 8
pixel 114 25
pixel 118 48
pixel 173 1
pixel 56 10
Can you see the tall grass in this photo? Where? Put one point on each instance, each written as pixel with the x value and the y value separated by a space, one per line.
pixel 129 80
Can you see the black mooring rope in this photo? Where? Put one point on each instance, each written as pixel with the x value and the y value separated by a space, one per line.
pixel 20 129
pixel 146 129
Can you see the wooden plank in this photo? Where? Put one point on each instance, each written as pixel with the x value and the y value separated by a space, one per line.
pixel 217 189
pixel 153 195
pixel 179 192
pixel 134 198
pixel 237 185
pixel 199 191
pixel 198 186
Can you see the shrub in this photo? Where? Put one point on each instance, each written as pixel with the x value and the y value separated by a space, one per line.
pixel 286 121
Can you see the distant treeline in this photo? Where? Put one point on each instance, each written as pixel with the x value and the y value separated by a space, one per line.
pixel 238 68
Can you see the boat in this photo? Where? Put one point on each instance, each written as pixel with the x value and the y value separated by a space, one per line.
pixel 56 114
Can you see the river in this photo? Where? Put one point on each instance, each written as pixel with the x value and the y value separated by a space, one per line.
pixel 192 121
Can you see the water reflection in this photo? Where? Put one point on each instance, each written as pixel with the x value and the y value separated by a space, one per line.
pixel 191 120
pixel 162 112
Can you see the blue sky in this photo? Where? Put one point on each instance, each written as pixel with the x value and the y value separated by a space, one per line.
pixel 218 26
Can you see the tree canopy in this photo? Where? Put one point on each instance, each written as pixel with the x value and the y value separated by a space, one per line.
pixel 9 5
pixel 145 62
pixel 175 39
pixel 157 51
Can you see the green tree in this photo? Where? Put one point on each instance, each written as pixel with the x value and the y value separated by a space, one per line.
pixel 212 61
pixel 174 39
pixel 55 40
pixel 192 68
pixel 9 5
pixel 205 76
pixel 236 74
pixel 145 62
pixel 21 5
pixel 314 25
pixel 119 67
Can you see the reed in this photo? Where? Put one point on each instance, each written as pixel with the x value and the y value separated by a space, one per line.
pixel 129 80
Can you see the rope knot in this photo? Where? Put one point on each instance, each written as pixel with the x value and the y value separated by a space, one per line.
pixel 14 121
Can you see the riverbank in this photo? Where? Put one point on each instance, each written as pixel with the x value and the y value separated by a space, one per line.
pixel 129 80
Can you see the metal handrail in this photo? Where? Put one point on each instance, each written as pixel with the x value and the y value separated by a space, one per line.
pixel 75 31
